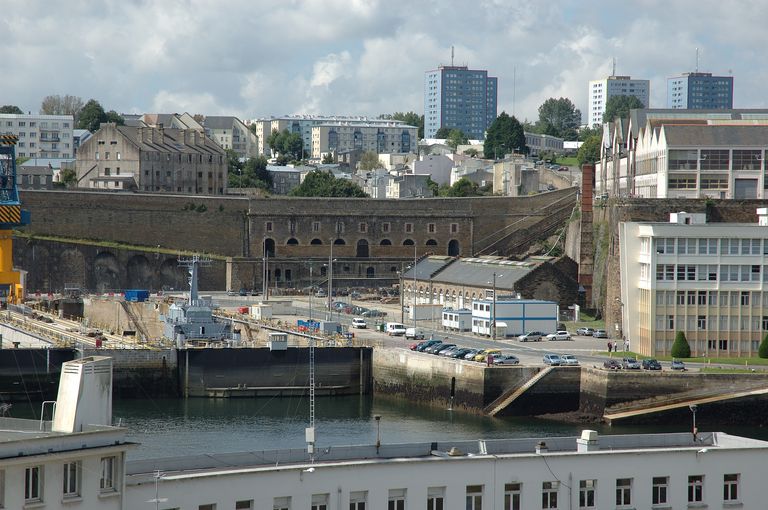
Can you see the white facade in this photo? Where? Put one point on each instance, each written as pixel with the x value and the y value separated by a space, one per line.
pixel 457 320
pixel 40 136
pixel 709 280
pixel 600 91
pixel 438 167
pixel 671 471
pixel 376 136
pixel 518 315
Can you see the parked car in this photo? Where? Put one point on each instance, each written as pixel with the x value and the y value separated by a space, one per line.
pixel 600 333
pixel 231 293
pixel 612 364
pixel 630 364
pixel 354 295
pixel 461 352
pixel 531 336
pixel 359 323
pixel 435 348
pixel 651 364
pixel 482 355
pixel 447 349
pixel 414 333
pixel 552 360
pixel 374 313
pixel 427 343
pixel 470 355
pixel 562 169
pixel 321 293
pixel 585 331
pixel 393 328
pixel 678 365
pixel 569 360
pixel 506 359
pixel 559 335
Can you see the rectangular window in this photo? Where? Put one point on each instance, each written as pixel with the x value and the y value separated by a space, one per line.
pixel 587 493
pixel 363 227
pixel 731 487
pixel 431 228
pixel 33 484
pixel 396 499
pixel 623 492
pixel 207 506
pixel 247 504
pixel 408 228
pixel 71 479
pixel 549 494
pixel 435 498
pixel 357 500
pixel 659 490
pixel 268 226
pixel 385 227
pixel 701 322
pixel 745 298
pixel 454 228
pixel 474 497
pixel 282 503
pixel 513 493
pixel 108 474
pixel 695 488
pixel 315 226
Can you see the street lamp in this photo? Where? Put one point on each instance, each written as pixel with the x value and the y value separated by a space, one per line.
pixel 378 432
pixel 493 307
pixel 413 309
pixel 694 408
pixel 330 280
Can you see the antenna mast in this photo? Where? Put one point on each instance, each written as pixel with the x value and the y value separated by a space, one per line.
pixel 451 55
pixel 697 60
pixel 613 73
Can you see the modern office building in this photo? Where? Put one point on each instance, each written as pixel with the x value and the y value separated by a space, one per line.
pixel 600 91
pixel 708 280
pixel 459 97
pixel 700 91
pixel 40 136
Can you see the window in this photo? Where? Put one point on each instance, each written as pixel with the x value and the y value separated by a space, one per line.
pixel 283 503
pixel 208 506
pixel 623 492
pixel 71 479
pixel 396 499
pixel 587 493
pixel 512 496
pixel 107 171
pixel 315 226
pixel 357 500
pixel 33 484
pixel 268 226
pixel 385 228
pixel 408 228
pixel 474 497
pixel 549 494
pixel 659 490
pixel 108 474
pixel 363 227
pixel 695 488
pixel 247 504
pixel 431 228
pixel 320 501
pixel 454 228
pixel 731 487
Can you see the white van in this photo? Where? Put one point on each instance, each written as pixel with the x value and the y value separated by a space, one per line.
pixel 414 334
pixel 394 329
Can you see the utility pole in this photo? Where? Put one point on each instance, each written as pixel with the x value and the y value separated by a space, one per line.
pixel 493 309
pixel 413 309
pixel 330 281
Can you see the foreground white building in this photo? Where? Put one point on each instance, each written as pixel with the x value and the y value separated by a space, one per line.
pixel 709 280
pixel 77 461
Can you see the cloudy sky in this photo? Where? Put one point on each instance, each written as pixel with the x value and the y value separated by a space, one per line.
pixel 254 58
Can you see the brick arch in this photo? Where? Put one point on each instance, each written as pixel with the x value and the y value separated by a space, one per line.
pixel 408 242
pixel 339 242
pixel 106 272
pixel 292 242
pixel 316 242
pixel 140 274
pixel 385 242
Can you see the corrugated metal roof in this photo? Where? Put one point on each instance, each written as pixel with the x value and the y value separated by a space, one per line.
pixel 473 272
pixel 717 135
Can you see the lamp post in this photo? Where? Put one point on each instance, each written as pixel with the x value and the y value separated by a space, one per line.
pixel 330 281
pixel 694 408
pixel 413 309
pixel 378 432
pixel 493 309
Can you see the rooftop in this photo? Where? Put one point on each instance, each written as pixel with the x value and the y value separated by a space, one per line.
pixel 527 447
pixel 473 271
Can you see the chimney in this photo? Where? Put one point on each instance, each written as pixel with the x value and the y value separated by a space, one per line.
pixel 762 216
pixel 587 442
pixel 85 394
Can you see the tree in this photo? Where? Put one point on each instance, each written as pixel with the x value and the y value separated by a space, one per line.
pixel 9 108
pixel 327 158
pixel 368 161
pixel 586 132
pixel 410 118
pixel 455 138
pixel 68 177
pixel 762 351
pixel 433 186
pixel 504 136
pixel 113 116
pixel 560 118
pixel 285 143
pixel 463 188
pixel 234 168
pixel 252 174
pixel 619 106
pixel 318 183
pixel 62 105
pixel 443 132
pixel 680 347
pixel 589 152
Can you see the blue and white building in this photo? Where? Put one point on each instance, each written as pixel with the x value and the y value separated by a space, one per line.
pixel 700 91
pixel 514 316
pixel 461 98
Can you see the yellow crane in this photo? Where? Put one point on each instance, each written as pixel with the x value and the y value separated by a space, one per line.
pixel 11 216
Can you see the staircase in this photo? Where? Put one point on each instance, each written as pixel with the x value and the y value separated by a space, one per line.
pixel 510 396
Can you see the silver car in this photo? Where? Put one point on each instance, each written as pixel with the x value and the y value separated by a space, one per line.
pixel 569 360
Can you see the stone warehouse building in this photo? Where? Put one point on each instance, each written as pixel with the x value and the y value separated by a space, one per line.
pixel 152 159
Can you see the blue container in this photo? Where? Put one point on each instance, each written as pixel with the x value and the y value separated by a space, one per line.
pixel 136 295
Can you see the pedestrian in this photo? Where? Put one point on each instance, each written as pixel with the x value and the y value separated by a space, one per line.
pixel 616 347
pixel 610 347
pixel 626 345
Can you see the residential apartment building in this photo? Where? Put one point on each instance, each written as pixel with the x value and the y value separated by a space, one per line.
pixel 379 137
pixel 152 159
pixel 408 186
pixel 669 153
pixel 700 91
pixel 232 134
pixel 284 178
pixel 514 177
pixel 459 97
pixel 708 280
pixel 40 136
pixel 600 91
pixel 305 124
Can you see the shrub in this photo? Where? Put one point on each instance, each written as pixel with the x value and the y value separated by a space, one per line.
pixel 680 348
pixel 762 351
